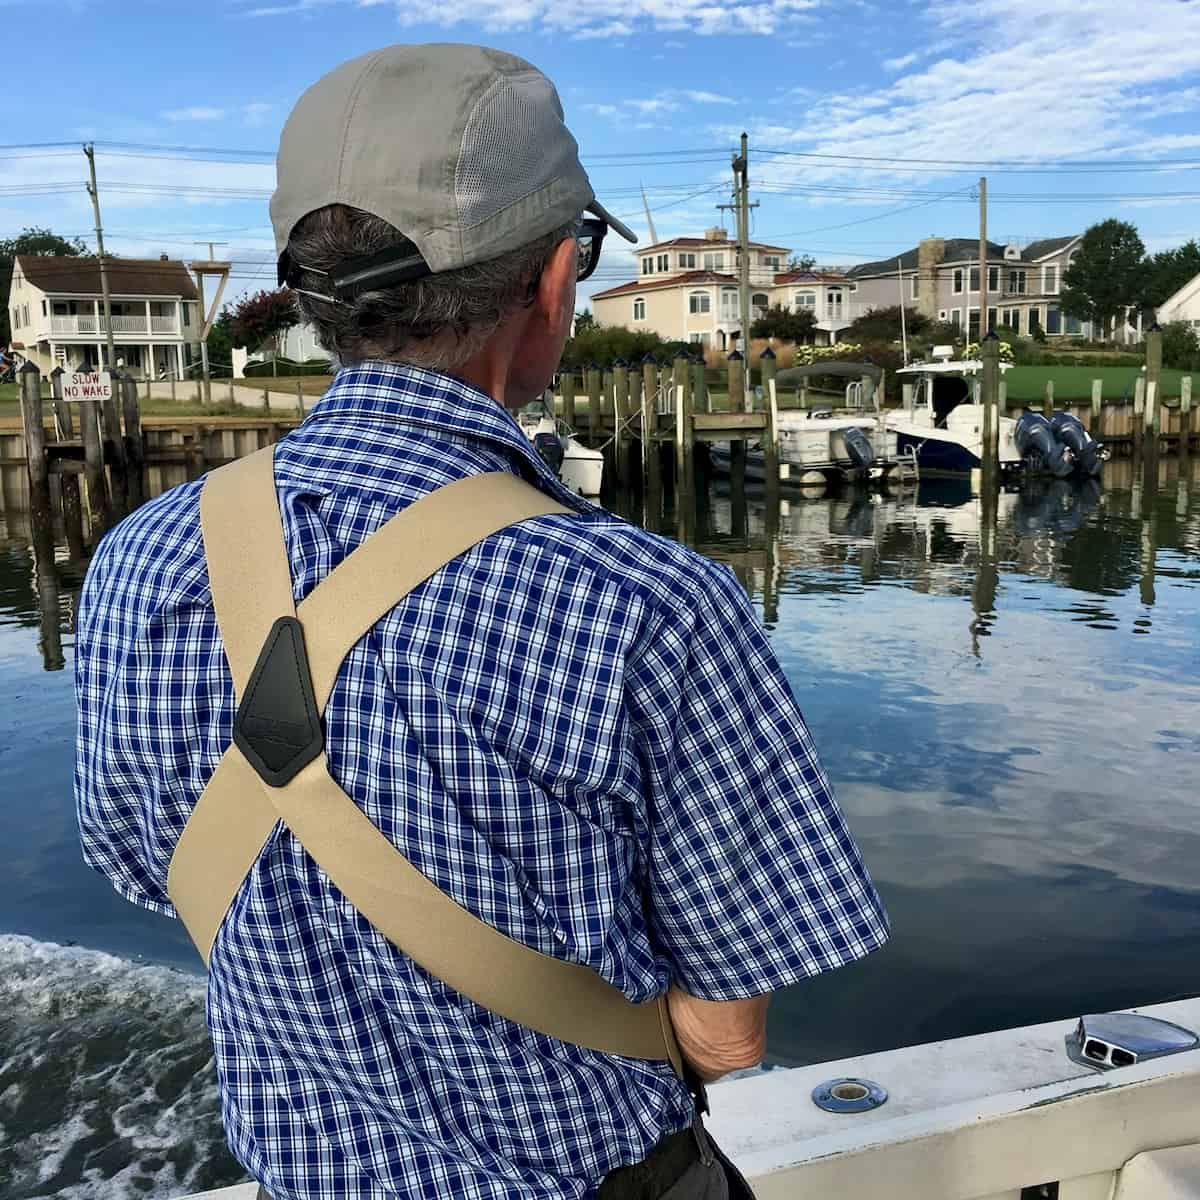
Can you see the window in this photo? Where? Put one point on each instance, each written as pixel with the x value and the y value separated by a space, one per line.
pixel 664 262
pixel 1073 325
pixel 699 302
pixel 991 317
pixel 639 309
pixel 1049 286
pixel 956 317
pixel 648 265
pixel 16 321
pixel 187 313
pixel 943 315
pixel 1053 319
pixel 699 337
pixel 993 279
pixel 729 304
pixel 804 300
pixel 916 286
pixel 958 281
pixel 714 262
pixel 687 262
pixel 1035 319
pixel 25 314
pixel 974 284
pixel 1012 318
pixel 833 301
pixel 972 324
pixel 760 300
pixel 44 313
pixel 1016 283
pixel 772 261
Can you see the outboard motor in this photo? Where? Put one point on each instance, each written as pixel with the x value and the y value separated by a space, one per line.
pixel 858 447
pixel 550 448
pixel 1036 443
pixel 1089 454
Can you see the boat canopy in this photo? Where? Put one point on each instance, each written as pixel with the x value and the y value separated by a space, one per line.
pixel 793 376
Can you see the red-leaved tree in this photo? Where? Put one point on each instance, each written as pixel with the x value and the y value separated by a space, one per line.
pixel 260 321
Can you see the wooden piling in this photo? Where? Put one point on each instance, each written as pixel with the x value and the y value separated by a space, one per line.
pixel 1097 402
pixel 684 433
pixel 770 445
pixel 1152 417
pixel 566 384
pixel 651 467
pixel 700 400
pixel 1185 413
pixel 135 450
pixel 606 394
pixel 622 436
pixel 1048 407
pixel 62 410
pixel 989 395
pixel 232 395
pixel 32 419
pixel 738 400
pixel 594 382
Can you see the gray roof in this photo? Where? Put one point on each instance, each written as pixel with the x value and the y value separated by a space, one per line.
pixel 959 250
pixel 1045 247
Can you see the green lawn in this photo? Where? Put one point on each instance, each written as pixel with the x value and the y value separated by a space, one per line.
pixel 1075 383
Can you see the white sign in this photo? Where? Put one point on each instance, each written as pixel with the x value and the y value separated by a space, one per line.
pixel 87 385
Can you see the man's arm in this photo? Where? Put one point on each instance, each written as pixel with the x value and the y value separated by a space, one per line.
pixel 719 1036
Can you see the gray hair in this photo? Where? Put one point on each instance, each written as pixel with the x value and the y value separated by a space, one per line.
pixel 437 322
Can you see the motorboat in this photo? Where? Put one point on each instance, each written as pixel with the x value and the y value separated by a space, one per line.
pixel 940 425
pixel 833 437
pixel 579 468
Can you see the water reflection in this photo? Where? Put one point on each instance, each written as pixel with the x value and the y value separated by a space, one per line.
pixel 1003 690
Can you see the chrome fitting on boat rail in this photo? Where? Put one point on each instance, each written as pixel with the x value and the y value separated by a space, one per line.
pixel 1105 1041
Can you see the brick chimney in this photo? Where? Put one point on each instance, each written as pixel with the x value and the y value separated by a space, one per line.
pixel 716 234
pixel 931 253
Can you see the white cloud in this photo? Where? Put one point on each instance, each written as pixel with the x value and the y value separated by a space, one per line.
pixel 256 114
pixel 603 110
pixel 1029 80
pixel 707 97
pixel 577 18
pixel 898 64
pixel 198 113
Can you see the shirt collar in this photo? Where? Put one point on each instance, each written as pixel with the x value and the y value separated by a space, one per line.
pixel 381 391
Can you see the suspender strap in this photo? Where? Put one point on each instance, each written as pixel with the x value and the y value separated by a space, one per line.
pixel 251 588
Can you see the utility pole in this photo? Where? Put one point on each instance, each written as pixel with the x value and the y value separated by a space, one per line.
pixel 90 151
pixel 983 263
pixel 741 207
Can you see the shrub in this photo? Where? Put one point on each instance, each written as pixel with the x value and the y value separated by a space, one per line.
pixel 285 366
pixel 1181 347
pixel 604 343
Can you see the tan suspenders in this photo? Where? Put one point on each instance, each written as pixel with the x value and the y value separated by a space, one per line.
pixel 284 659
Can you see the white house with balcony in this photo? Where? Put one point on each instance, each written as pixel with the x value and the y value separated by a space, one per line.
pixel 56 309
pixel 687 290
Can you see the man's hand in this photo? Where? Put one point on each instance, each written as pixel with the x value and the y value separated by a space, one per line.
pixel 719 1036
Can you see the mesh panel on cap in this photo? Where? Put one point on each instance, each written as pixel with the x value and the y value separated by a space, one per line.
pixel 512 144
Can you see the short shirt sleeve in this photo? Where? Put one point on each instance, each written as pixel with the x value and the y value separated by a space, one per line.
pixel 754 880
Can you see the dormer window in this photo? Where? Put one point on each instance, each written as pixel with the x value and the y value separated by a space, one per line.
pixel 1050 283
pixel 664 262
pixel 714 262
pixel 772 261
pixel 1011 253
pixel 687 262
pixel 648 265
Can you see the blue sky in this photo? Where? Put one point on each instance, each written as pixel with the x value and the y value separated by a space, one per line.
pixel 657 92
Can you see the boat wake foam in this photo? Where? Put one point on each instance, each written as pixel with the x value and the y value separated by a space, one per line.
pixel 107 1085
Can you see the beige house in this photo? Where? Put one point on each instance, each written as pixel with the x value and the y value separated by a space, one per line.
pixel 56 309
pixel 687 290
pixel 940 279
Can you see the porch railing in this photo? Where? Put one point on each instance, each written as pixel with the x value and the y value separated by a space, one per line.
pixel 87 324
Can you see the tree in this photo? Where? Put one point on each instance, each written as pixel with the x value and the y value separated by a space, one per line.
pixel 31 240
pixel 220 345
pixel 883 324
pixel 779 322
pixel 1106 275
pixel 584 321
pixel 1181 346
pixel 800 262
pixel 1167 271
pixel 262 319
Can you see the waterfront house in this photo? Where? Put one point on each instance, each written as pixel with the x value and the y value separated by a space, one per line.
pixel 56 309
pixel 687 290
pixel 939 278
pixel 1184 305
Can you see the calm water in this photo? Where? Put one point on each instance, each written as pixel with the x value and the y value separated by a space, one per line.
pixel 1009 711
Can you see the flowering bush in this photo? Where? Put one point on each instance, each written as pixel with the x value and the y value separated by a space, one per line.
pixel 807 355
pixel 971 350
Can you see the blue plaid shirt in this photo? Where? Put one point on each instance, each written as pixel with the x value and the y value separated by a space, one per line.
pixel 577 729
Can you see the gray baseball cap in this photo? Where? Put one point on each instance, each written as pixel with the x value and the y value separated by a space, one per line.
pixel 461 148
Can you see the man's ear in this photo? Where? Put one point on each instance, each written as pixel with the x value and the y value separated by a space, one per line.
pixel 556 291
